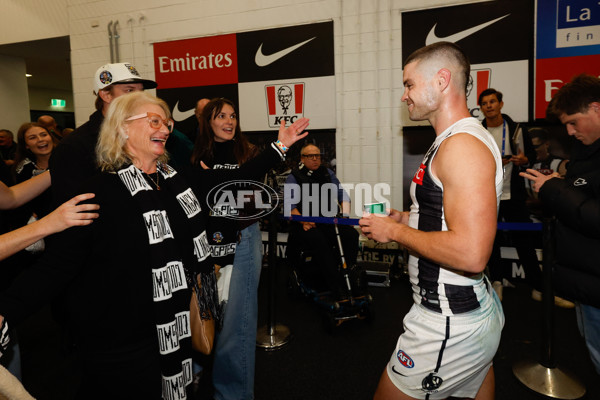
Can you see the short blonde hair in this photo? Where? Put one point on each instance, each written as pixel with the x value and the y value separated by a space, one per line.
pixel 110 149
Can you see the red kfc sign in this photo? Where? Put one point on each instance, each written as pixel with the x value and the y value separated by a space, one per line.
pixel 284 102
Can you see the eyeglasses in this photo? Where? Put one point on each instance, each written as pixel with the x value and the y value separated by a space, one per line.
pixel 312 156
pixel 154 120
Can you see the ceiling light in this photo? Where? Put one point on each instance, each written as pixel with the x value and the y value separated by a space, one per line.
pixel 28 75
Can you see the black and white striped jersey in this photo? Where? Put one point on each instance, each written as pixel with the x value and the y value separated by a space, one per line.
pixel 437 287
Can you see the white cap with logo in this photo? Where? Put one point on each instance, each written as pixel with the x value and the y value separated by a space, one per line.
pixel 110 74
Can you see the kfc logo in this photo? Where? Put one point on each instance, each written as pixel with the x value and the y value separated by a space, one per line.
pixel 285 102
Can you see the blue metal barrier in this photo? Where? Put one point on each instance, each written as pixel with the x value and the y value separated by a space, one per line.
pixel 505 226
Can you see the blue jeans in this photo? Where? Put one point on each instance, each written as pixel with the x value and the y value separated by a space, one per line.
pixel 588 320
pixel 235 349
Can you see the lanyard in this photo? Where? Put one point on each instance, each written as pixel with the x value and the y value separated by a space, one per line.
pixel 503 136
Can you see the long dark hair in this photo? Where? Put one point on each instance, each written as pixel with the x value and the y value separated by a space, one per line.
pixel 22 151
pixel 243 150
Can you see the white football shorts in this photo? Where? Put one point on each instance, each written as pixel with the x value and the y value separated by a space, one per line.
pixel 440 356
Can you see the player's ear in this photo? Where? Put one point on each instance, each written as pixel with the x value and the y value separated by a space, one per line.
pixel 443 78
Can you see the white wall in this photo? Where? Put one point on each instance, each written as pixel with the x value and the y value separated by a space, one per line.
pixel 367 50
pixel 13 109
pixel 24 20
pixel 40 99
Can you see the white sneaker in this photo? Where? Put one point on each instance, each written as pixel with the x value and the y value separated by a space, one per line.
pixel 558 301
pixel 507 283
pixel 498 287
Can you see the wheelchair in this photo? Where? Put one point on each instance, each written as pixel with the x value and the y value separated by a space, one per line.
pixel 353 302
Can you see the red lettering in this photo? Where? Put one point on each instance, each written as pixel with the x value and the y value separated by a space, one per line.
pixel 418 178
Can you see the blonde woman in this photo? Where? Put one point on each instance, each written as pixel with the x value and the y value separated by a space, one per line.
pixel 129 275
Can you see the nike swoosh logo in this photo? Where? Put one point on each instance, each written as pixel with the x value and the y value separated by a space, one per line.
pixel 396 372
pixel 263 60
pixel 432 38
pixel 182 115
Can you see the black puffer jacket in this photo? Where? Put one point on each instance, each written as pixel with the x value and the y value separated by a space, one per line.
pixel 73 161
pixel 575 201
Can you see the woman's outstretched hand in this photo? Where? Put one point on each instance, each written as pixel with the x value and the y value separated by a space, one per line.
pixel 291 134
pixel 71 213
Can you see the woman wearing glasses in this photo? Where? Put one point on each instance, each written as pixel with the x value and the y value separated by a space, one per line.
pixel 308 180
pixel 128 276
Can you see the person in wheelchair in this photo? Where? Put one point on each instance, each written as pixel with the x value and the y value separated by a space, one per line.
pixel 312 190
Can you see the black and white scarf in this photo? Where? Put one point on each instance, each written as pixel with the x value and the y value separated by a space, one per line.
pixel 172 280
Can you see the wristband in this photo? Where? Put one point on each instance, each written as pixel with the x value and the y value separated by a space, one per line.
pixel 278 150
pixel 281 146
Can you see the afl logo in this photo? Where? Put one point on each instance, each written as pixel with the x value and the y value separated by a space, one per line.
pixel 226 199
pixel 405 359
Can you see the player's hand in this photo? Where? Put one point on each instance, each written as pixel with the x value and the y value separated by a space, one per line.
pixel 378 227
pixel 399 216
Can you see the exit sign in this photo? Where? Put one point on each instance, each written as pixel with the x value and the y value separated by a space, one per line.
pixel 58 102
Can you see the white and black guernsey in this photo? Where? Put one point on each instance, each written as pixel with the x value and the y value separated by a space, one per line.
pixel 223 232
pixel 437 287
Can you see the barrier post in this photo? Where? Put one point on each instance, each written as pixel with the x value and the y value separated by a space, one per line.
pixel 272 336
pixel 545 377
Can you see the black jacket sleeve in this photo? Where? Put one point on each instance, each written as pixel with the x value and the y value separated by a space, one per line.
pixel 577 207
pixel 73 161
pixel 528 145
pixel 69 167
pixel 202 180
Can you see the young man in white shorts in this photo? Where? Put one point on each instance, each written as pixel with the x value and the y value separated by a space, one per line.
pixel 452 332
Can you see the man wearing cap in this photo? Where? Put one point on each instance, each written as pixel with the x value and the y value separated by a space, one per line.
pixel 74 159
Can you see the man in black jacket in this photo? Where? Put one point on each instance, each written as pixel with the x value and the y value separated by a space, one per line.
pixel 74 160
pixel 575 201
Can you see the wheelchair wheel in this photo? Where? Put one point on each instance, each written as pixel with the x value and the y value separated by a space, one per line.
pixel 366 313
pixel 330 323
